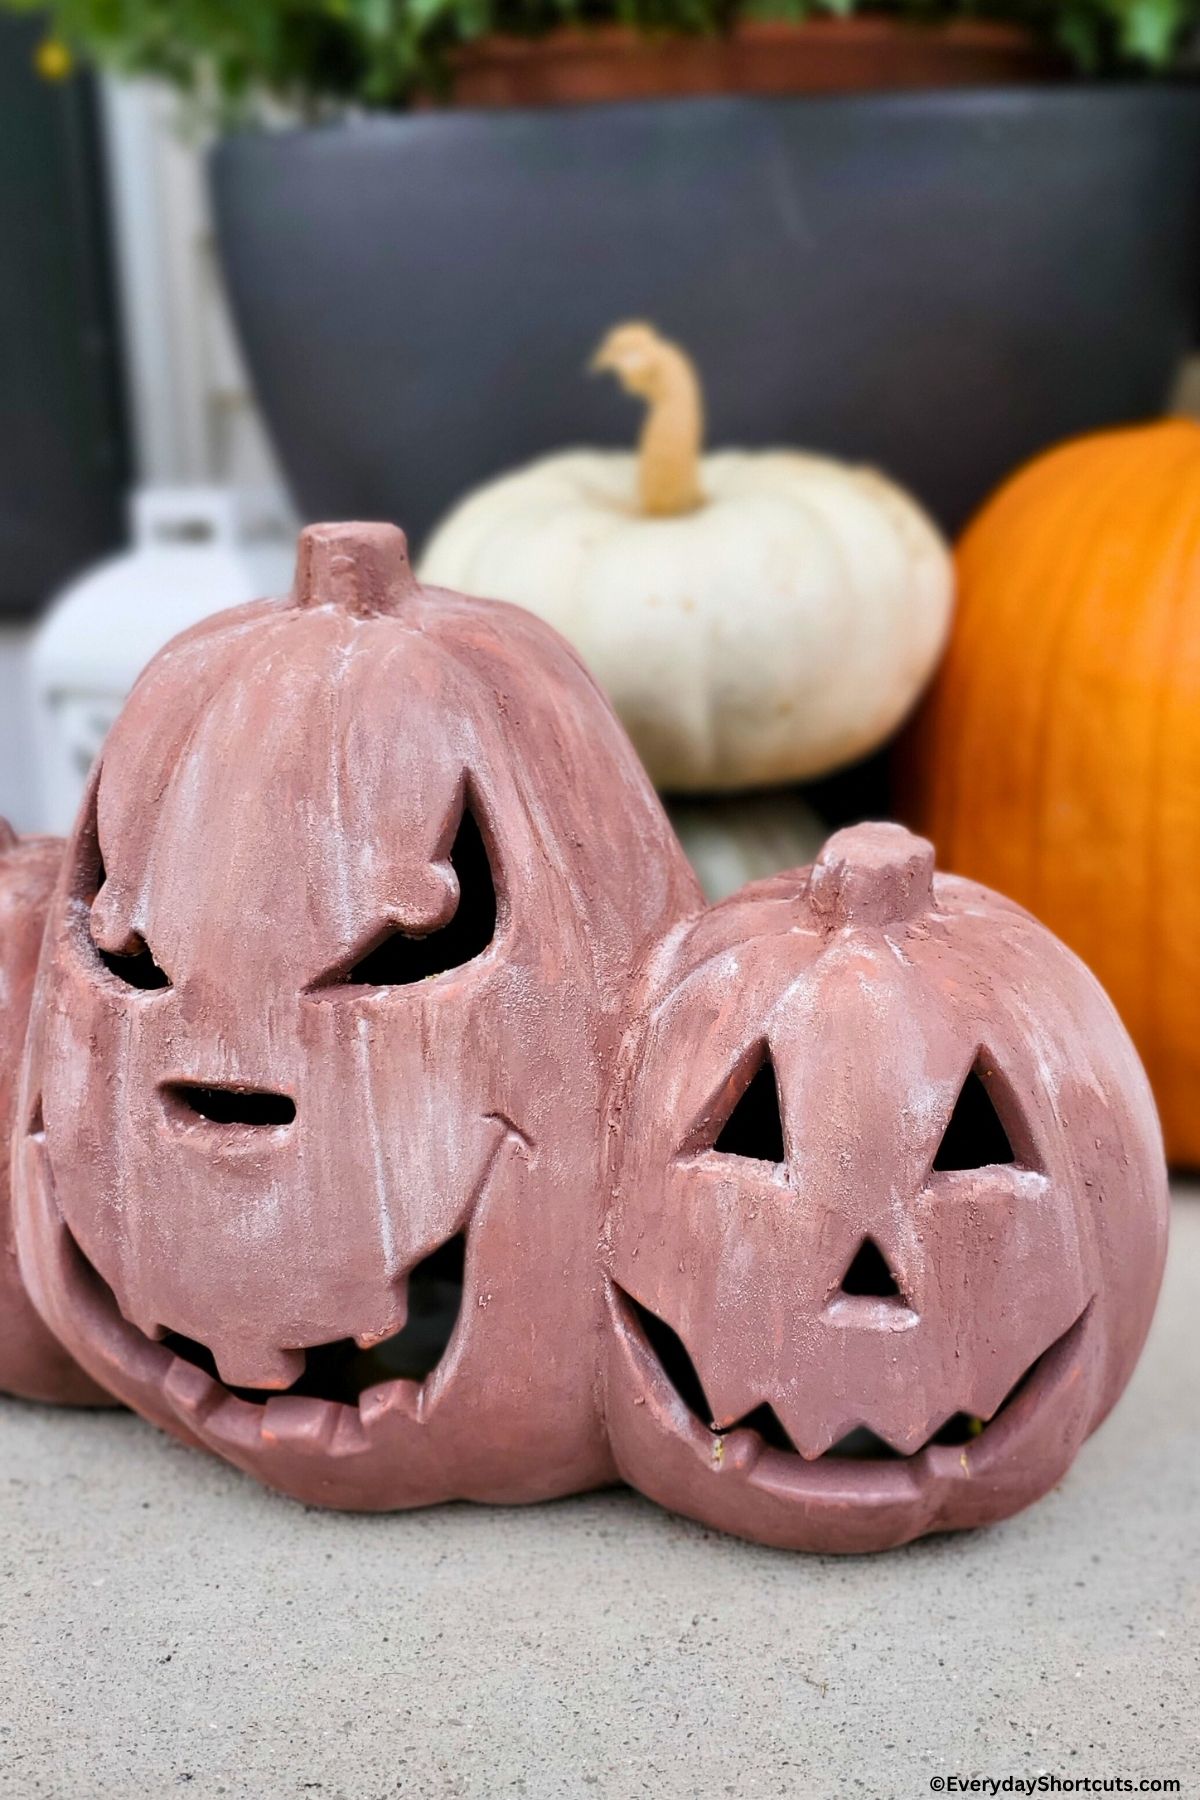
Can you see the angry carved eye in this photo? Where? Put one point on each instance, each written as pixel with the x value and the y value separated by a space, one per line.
pixel 975 1138
pixel 754 1128
pixel 399 958
pixel 134 965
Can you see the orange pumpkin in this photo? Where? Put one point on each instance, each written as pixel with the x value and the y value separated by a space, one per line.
pixel 1057 757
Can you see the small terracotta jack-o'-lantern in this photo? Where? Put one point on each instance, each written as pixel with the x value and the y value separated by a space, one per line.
pixel 33 1364
pixel 890 1209
pixel 329 997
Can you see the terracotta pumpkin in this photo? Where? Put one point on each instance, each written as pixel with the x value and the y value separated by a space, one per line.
pixel 1058 756
pixel 33 1363
pixel 326 1010
pixel 757 618
pixel 890 1207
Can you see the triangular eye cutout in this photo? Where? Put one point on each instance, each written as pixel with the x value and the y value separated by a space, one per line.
pixel 975 1137
pixel 755 1126
pixel 869 1273
pixel 400 959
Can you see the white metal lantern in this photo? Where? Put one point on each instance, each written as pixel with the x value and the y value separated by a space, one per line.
pixel 194 551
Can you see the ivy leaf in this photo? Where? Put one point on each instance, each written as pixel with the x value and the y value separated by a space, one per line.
pixel 790 12
pixel 1148 30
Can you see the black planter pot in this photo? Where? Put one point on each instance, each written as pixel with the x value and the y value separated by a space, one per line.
pixel 941 283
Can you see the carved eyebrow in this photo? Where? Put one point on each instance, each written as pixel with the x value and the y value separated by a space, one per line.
pixel 392 957
pixel 136 968
pixel 134 964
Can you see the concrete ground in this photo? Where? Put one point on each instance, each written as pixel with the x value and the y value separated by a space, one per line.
pixel 165 1626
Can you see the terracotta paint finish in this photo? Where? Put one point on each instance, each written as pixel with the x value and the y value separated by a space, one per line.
pixel 33 1363
pixel 875 1269
pixel 1061 739
pixel 284 1058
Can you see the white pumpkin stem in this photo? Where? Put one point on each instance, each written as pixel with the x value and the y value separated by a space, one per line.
pixel 669 449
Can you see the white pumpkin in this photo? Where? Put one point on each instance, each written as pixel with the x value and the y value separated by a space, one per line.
pixel 756 618
pixel 730 842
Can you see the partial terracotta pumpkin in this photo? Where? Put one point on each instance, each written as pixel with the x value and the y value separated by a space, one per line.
pixel 1058 753
pixel 33 1363
pixel 334 975
pixel 889 1213
pixel 756 618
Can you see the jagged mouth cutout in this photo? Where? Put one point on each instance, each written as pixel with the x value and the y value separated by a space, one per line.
pixel 349 1381
pixel 976 1138
pixel 861 1445
pixel 342 1372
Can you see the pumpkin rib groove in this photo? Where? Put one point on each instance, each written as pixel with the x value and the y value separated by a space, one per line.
pixel 1058 613
pixel 1057 756
pixel 1158 889
pixel 975 690
pixel 1086 575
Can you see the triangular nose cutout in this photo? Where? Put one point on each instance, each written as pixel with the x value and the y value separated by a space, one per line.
pixel 869 1274
pixel 755 1126
pixel 974 1138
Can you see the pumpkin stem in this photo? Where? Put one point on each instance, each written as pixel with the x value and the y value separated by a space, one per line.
pixel 669 450
pixel 872 875
pixel 8 837
pixel 363 568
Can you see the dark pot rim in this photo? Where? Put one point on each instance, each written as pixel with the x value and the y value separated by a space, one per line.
pixel 1001 101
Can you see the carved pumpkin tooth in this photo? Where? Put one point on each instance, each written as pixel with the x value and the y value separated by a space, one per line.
pixel 742 1450
pixel 189 1390
pixel 296 1423
pixel 242 1366
pixel 390 1399
pixel 370 1340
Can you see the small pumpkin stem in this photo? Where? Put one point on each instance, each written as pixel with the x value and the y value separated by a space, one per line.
pixel 361 567
pixel 669 450
pixel 872 875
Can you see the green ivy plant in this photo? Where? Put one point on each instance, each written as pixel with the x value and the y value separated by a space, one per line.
pixel 308 55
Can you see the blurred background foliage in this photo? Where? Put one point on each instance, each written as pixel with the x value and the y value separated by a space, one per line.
pixel 233 56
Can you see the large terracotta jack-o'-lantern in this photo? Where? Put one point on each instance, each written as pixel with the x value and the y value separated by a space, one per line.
pixel 33 1364
pixel 333 981
pixel 890 1207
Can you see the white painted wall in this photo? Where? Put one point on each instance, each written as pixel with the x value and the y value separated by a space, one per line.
pixel 20 800
pixel 194 417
